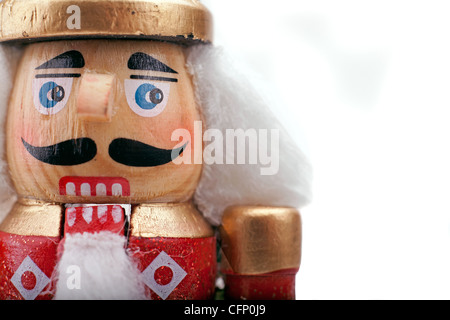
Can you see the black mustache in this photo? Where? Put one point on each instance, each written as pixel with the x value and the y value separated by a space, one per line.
pixel 137 154
pixel 125 151
pixel 66 153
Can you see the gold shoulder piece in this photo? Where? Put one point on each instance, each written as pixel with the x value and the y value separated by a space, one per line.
pixel 34 218
pixel 258 239
pixel 175 220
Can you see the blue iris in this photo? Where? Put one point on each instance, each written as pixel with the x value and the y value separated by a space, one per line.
pixel 148 96
pixel 50 94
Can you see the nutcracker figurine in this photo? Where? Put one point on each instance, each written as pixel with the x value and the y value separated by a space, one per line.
pixel 119 180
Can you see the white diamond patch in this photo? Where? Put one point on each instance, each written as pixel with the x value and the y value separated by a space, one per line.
pixel 163 260
pixel 41 279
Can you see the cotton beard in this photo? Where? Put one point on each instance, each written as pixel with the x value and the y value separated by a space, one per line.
pixel 96 266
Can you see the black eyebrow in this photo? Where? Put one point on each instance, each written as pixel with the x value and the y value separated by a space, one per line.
pixel 69 59
pixel 58 75
pixel 142 61
pixel 140 77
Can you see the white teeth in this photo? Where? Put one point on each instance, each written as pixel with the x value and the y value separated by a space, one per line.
pixel 104 212
pixel 70 189
pixel 85 189
pixel 100 189
pixel 117 214
pixel 101 212
pixel 71 216
pixel 116 189
pixel 87 214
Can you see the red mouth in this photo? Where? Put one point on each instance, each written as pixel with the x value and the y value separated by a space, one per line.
pixel 94 186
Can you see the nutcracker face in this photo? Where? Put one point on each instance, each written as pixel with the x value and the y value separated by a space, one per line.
pixel 91 121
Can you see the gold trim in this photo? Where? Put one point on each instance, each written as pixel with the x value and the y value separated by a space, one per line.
pixel 177 20
pixel 174 220
pixel 33 218
pixel 258 239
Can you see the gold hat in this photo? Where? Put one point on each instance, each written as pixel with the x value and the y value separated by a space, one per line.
pixel 186 21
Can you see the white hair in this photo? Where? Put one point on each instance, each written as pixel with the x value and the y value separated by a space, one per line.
pixel 229 101
pixel 9 59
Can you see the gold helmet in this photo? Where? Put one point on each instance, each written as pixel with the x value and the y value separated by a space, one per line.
pixel 186 21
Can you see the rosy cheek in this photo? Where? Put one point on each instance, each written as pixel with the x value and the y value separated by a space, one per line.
pixel 165 129
pixel 14 139
pixel 32 131
pixel 28 131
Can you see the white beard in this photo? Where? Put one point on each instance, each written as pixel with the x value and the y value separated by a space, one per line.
pixel 96 267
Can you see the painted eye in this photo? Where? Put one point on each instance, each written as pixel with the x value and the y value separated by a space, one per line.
pixel 148 96
pixel 145 99
pixel 50 96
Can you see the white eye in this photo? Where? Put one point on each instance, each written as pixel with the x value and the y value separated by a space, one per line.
pixel 146 99
pixel 51 95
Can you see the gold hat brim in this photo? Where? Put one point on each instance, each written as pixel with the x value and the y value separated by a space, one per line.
pixel 175 20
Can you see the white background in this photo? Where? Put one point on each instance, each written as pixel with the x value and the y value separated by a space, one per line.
pixel 365 90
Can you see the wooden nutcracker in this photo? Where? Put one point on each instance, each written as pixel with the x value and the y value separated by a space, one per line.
pixel 105 208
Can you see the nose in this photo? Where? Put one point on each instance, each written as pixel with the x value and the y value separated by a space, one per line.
pixel 95 97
